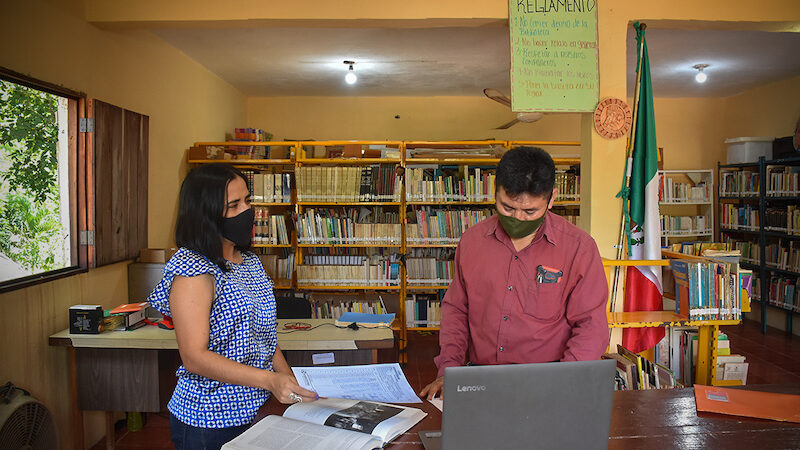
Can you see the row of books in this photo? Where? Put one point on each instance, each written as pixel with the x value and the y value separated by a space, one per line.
pixel 373 183
pixel 268 228
pixel 671 225
pixel 635 372
pixel 460 184
pixel 783 254
pixel 783 292
pixel 739 183
pixel 786 220
pixel 269 187
pixel 708 290
pixel 429 271
pixel 739 217
pixel 423 310
pixel 376 273
pixel 678 352
pixel 671 191
pixel 568 183
pixel 348 226
pixel 443 226
pixel 251 134
pixel 783 181
pixel 696 248
pixel 279 267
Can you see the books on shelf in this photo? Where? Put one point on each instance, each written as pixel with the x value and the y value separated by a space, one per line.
pixel 334 309
pixel 351 225
pixel 330 184
pixel 783 181
pixel 449 184
pixel 707 290
pixel 685 225
pixel 672 191
pixel 635 372
pixel 269 229
pixel 739 217
pixel 330 423
pixel 370 270
pixel 271 187
pixel 423 310
pixel 739 183
pixel 783 219
pixel 280 267
pixel 442 226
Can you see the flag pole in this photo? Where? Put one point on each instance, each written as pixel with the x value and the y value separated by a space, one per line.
pixel 626 177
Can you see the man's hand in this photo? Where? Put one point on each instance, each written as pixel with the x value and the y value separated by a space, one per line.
pixel 434 389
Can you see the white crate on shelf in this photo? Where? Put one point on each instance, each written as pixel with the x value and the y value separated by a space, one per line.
pixel 748 149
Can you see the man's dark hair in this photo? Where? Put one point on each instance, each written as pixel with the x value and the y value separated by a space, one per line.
pixel 201 210
pixel 528 170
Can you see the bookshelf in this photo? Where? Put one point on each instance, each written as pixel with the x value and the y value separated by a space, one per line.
pixel 376 221
pixel 759 215
pixel 685 204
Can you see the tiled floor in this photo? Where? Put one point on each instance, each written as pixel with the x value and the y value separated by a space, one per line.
pixel 774 359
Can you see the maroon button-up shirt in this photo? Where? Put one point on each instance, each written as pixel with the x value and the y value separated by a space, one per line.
pixel 497 310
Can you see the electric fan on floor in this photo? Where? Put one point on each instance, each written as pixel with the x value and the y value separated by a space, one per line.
pixel 25 423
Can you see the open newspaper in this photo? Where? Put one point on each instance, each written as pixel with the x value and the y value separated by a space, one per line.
pixel 329 424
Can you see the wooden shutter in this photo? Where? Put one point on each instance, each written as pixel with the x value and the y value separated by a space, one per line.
pixel 120 182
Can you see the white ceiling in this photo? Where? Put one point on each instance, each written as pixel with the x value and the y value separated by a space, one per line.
pixel 462 61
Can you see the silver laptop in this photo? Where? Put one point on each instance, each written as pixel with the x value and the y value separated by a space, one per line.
pixel 524 406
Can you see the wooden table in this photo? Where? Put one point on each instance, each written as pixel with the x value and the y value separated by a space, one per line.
pixel 132 370
pixel 657 419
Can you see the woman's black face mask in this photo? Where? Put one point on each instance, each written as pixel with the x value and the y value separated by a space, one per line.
pixel 239 229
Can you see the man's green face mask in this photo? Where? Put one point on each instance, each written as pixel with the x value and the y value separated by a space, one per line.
pixel 516 228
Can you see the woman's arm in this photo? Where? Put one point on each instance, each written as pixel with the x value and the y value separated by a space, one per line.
pixel 190 302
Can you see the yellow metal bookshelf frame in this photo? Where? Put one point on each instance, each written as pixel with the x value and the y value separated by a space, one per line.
pixel 298 157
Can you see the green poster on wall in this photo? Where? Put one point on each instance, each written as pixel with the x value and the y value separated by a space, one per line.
pixel 553 55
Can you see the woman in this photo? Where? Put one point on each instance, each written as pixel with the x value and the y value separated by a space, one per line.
pixel 222 304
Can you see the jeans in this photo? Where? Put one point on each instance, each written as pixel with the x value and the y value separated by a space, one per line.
pixel 187 437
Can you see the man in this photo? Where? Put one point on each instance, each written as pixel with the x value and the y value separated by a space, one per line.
pixel 529 286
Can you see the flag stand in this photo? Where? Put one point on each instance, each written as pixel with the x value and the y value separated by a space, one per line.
pixel 626 177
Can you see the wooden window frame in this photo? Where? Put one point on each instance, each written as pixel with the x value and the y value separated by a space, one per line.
pixel 78 181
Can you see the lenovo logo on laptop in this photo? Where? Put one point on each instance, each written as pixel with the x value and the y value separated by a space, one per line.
pixel 476 388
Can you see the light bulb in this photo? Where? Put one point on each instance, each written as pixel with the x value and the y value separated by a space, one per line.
pixel 350 78
pixel 701 77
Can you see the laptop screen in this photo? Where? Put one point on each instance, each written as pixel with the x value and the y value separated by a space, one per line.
pixel 545 405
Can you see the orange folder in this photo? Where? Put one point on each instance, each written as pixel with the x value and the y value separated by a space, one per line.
pixel 127 308
pixel 740 402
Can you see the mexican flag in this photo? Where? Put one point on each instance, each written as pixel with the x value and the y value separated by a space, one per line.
pixel 643 291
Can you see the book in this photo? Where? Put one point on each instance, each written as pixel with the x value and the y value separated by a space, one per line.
pixel 365 320
pixel 329 423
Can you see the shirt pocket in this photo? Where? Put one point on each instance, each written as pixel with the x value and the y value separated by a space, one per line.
pixel 544 301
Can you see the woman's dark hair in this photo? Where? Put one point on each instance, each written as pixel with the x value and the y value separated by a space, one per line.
pixel 201 210
pixel 528 170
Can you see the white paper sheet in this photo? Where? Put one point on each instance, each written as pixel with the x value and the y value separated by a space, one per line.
pixel 376 382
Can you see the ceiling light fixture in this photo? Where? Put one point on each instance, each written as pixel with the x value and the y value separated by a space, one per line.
pixel 700 77
pixel 351 77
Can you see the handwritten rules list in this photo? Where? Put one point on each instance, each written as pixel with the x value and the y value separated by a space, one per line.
pixel 553 55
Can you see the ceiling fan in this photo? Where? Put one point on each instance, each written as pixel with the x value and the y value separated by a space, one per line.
pixel 526 117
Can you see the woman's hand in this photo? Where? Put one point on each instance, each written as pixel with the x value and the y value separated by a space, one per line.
pixel 285 388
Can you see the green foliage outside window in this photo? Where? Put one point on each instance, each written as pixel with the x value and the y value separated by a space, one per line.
pixel 30 228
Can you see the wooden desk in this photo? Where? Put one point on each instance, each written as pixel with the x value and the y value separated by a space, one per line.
pixel 120 371
pixel 657 419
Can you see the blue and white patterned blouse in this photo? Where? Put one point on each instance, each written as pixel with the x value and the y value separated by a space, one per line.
pixel 243 327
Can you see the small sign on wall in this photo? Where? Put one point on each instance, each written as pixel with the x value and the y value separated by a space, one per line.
pixel 554 56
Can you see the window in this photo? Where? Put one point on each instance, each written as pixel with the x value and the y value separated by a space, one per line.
pixel 39 181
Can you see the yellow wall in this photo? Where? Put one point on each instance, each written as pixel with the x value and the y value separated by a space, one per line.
pixel 421 118
pixel 771 110
pixel 50 40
